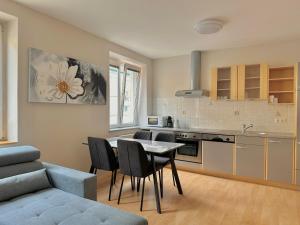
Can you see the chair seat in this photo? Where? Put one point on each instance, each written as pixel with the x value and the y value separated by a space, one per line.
pixel 160 161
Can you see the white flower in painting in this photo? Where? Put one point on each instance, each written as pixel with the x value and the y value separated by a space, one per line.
pixel 57 80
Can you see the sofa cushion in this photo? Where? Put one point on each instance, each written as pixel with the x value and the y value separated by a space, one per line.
pixel 55 207
pixel 14 186
pixel 19 154
pixel 16 169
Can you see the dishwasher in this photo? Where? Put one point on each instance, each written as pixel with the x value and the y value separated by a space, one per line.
pixel 217 153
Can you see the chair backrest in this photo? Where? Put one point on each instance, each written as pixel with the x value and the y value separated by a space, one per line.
pixel 144 135
pixel 166 137
pixel 133 159
pixel 102 155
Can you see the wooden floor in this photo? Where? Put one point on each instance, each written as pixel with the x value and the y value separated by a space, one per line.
pixel 208 201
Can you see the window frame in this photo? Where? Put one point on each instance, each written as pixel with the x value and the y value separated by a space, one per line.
pixel 122 68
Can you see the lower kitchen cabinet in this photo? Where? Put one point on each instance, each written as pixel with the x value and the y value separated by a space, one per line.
pixel 217 156
pixel 250 161
pixel 280 160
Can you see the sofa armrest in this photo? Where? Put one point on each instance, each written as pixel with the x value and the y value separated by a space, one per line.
pixel 72 181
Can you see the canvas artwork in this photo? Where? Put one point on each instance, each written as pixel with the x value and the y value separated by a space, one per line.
pixel 59 79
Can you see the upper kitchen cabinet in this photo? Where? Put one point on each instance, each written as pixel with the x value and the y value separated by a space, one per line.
pixel 282 84
pixel 224 83
pixel 253 82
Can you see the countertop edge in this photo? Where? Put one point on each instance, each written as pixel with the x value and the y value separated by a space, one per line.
pixel 226 132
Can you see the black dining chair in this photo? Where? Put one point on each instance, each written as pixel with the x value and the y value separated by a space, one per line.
pixel 143 135
pixel 134 163
pixel 103 158
pixel 165 159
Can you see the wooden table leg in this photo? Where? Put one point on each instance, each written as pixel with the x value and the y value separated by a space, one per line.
pixel 174 170
pixel 155 185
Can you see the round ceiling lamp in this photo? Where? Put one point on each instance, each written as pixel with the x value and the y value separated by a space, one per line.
pixel 208 26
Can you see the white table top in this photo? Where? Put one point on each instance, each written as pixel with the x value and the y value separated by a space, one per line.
pixel 157 147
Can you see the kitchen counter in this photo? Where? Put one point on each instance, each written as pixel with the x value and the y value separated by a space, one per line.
pixel 226 132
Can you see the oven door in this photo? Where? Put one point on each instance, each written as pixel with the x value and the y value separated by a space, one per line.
pixel 190 152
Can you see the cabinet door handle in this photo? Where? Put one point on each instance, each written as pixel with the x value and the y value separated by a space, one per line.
pixel 240 147
pixel 272 141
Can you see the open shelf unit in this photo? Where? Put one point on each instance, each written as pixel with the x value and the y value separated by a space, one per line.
pixel 223 83
pixel 252 82
pixel 282 84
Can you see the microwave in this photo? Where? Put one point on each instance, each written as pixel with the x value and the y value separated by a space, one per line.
pixel 154 121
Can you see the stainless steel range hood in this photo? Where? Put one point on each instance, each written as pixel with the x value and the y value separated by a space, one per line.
pixel 195 90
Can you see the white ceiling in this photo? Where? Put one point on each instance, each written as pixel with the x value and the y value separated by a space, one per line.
pixel 162 28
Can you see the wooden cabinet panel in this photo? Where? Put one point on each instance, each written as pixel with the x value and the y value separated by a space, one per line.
pixel 233 83
pixel 264 74
pixel 213 84
pixel 241 82
pixel 280 160
pixel 217 156
pixel 250 161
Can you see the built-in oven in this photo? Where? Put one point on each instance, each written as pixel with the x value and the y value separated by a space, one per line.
pixel 192 149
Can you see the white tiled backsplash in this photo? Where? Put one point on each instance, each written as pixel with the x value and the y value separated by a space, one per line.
pixel 204 113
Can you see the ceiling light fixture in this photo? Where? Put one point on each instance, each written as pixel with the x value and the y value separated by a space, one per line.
pixel 208 26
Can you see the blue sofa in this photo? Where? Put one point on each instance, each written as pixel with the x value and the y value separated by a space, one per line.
pixel 36 193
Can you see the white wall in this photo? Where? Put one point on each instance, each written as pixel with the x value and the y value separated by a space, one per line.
pixel 171 74
pixel 58 130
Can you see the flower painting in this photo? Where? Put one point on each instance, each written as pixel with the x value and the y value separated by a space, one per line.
pixel 59 79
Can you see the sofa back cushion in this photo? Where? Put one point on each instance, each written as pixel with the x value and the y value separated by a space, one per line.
pixel 21 184
pixel 16 169
pixel 19 154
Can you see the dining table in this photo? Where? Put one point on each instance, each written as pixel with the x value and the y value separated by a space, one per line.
pixel 155 148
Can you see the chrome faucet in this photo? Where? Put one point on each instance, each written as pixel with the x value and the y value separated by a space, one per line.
pixel 245 127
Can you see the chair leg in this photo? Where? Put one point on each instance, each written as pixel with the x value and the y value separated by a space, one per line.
pixel 142 200
pixel 115 177
pixel 174 180
pixel 138 184
pixel 162 184
pixel 95 171
pixel 121 189
pixel 111 184
pixel 132 183
pixel 159 176
pixel 91 169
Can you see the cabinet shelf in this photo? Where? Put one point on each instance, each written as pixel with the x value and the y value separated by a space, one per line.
pixel 223 80
pixel 252 88
pixel 280 92
pixel 282 79
pixel 252 78
pixel 224 89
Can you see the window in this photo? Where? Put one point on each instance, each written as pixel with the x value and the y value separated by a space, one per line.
pixel 124 82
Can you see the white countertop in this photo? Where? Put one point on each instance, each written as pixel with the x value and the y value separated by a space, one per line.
pixel 226 132
pixel 158 147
